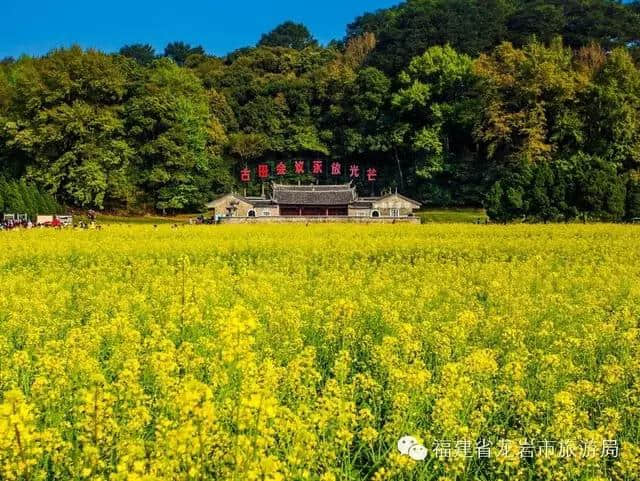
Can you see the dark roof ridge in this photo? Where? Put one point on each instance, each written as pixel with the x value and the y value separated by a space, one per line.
pixel 313 187
pixel 314 194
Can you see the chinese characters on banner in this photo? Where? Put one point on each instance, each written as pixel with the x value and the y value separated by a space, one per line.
pixel 263 171
pixel 505 448
pixel 317 167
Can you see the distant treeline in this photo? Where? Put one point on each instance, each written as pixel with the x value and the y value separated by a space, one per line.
pixel 529 108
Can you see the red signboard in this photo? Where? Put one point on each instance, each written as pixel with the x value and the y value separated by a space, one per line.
pixel 263 171
pixel 317 168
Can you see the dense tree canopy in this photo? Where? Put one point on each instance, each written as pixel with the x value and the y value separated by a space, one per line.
pixel 476 26
pixel 172 131
pixel 533 112
pixel 65 119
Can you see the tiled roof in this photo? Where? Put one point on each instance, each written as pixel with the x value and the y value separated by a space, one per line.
pixel 253 201
pixel 314 194
pixel 262 202
pixel 361 204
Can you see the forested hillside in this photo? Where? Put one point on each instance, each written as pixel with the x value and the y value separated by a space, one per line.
pixel 529 108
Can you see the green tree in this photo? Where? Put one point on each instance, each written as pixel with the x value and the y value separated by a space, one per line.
pixel 538 19
pixel 174 135
pixel 143 53
pixel 506 199
pixel 28 199
pixel 68 125
pixel 524 92
pixel 435 111
pixel 289 35
pixel 612 110
pixel 180 51
pixel 632 201
pixel 13 200
pixel 248 146
pixel 3 193
pixel 547 194
pixel 599 191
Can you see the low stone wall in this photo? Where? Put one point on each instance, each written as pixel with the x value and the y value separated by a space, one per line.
pixel 319 220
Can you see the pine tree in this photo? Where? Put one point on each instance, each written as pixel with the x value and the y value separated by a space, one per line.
pixel 3 190
pixel 13 201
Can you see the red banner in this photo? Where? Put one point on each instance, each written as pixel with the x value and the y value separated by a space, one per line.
pixel 335 169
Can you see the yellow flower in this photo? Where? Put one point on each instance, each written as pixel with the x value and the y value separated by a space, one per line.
pixel 306 352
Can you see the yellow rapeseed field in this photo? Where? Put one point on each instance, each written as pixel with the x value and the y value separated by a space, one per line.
pixel 307 352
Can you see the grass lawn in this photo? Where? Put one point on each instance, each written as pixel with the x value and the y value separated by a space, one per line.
pixel 442 215
pixel 146 219
pixel 452 215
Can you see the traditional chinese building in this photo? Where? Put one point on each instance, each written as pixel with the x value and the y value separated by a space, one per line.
pixel 314 201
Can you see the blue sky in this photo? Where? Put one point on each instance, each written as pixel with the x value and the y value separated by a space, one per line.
pixel 37 26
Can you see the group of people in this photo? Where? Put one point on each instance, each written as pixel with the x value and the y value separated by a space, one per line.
pixel 16 224
pixel 55 223
pixel 9 224
pixel 201 219
pixel 87 225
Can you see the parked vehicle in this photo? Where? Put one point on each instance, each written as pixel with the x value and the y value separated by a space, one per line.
pixel 61 220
